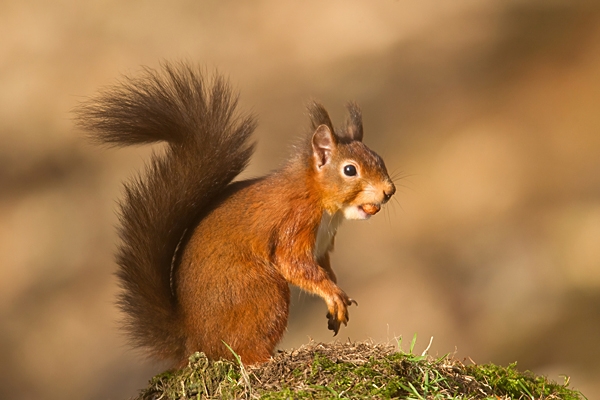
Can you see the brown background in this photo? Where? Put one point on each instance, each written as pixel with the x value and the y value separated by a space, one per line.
pixel 490 107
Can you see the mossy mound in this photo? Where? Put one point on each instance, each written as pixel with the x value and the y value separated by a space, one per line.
pixel 351 371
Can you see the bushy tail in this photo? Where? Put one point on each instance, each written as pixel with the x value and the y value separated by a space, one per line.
pixel 207 148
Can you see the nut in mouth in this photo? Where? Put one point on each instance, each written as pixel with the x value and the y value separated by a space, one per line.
pixel 370 208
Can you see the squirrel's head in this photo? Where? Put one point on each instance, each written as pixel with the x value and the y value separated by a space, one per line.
pixel 352 177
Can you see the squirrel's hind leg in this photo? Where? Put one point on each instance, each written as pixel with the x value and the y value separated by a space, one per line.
pixel 248 313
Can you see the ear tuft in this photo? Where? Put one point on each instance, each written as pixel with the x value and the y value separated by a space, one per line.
pixel 354 126
pixel 319 116
pixel 324 144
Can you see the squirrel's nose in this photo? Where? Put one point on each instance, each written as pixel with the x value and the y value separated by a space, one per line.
pixel 389 192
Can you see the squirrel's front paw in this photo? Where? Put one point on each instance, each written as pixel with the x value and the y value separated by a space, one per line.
pixel 338 311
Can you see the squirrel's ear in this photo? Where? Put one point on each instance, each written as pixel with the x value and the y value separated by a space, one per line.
pixel 354 126
pixel 323 144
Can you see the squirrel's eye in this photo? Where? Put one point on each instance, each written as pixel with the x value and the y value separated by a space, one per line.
pixel 349 170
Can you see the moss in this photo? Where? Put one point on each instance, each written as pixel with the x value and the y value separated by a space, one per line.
pixel 351 371
pixel 514 384
pixel 202 378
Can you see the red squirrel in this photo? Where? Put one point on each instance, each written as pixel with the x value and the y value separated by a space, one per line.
pixel 205 262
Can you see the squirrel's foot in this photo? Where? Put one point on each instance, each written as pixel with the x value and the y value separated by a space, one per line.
pixel 338 311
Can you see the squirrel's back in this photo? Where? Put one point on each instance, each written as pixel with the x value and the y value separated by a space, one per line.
pixel 207 147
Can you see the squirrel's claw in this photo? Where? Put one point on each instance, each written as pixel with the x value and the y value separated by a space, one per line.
pixel 333 324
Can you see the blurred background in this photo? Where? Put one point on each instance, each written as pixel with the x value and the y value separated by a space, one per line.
pixel 489 110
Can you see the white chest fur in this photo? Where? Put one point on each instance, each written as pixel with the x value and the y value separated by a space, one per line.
pixel 327 230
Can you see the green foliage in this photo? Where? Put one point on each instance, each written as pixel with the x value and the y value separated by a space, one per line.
pixel 517 385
